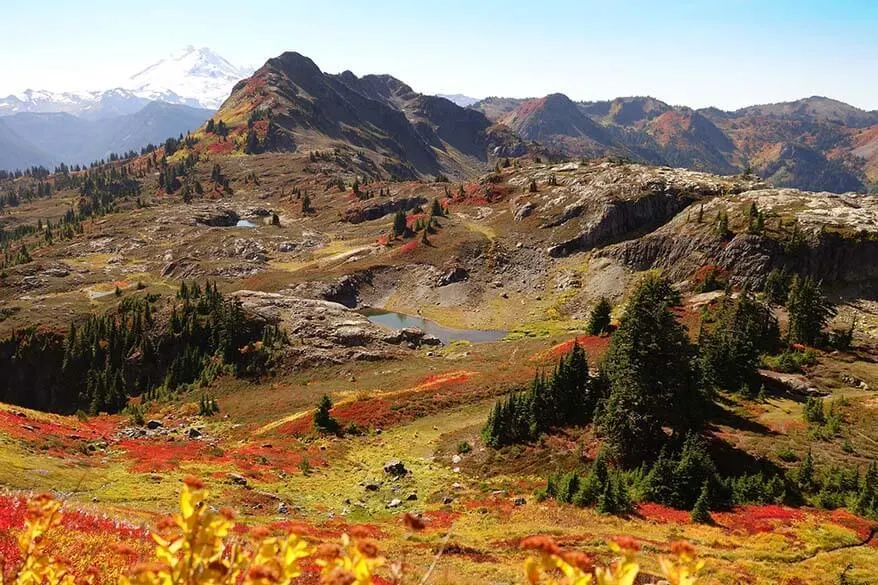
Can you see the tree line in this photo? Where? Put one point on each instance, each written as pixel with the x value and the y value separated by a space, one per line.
pixel 653 395
pixel 135 350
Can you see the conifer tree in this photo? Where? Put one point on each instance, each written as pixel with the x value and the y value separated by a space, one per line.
pixel 809 311
pixel 777 286
pixel 730 349
pixel 700 511
pixel 323 420
pixel 399 225
pixel 599 319
pixel 805 475
pixel 652 382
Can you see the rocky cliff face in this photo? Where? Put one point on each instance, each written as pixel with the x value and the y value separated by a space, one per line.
pixel 833 238
pixel 590 207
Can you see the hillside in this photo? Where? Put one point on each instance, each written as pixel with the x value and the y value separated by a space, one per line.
pixel 813 143
pixel 17 153
pixel 519 256
pixel 289 105
pixel 74 140
pixel 348 308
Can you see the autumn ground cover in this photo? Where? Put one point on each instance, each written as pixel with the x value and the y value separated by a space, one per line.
pixel 475 504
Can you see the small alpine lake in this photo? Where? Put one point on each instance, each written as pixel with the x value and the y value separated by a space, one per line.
pixel 446 335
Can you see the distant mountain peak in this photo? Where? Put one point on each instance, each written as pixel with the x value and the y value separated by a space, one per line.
pixel 461 100
pixel 193 76
pixel 199 76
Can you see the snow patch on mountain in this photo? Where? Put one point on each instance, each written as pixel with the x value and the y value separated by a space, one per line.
pixel 195 77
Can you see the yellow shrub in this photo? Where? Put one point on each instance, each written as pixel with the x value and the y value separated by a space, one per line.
pixel 195 547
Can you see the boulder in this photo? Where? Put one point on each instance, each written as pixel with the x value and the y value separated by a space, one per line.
pixel 237 479
pixel 794 383
pixel 154 424
pixel 212 216
pixel 378 208
pixel 395 468
pixel 456 274
pixel 394 503
pixel 523 211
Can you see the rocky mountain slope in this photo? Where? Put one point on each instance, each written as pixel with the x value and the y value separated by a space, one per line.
pixel 291 105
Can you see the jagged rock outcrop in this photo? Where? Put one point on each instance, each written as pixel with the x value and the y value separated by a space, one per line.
pixel 325 332
pixel 213 216
pixel 610 202
pixel 378 208
pixel 830 237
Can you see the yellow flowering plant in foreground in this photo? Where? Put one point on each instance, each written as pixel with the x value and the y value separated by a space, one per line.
pixel 196 547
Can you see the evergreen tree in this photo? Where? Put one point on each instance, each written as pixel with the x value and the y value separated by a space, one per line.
pixel 722 224
pixel 252 145
pixel 659 484
pixel 323 421
pixel 649 368
pixel 809 311
pixel 700 511
pixel 867 495
pixel 565 398
pixel 730 348
pixel 777 286
pixel 599 319
pixel 400 228
pixel 805 475
pixel 436 209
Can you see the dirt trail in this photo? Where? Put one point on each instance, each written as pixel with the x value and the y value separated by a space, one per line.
pixel 429 385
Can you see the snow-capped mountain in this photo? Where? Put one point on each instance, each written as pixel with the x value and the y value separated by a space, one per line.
pixel 193 77
pixel 461 100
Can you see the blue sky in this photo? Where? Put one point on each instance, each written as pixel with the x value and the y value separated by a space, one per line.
pixel 727 53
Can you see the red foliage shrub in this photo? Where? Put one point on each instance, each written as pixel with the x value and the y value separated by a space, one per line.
pixel 222 147
pixel 595 346
pixel 662 514
pixel 861 526
pixel 756 519
pixel 408 247
pixel 151 455
pixel 411 220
